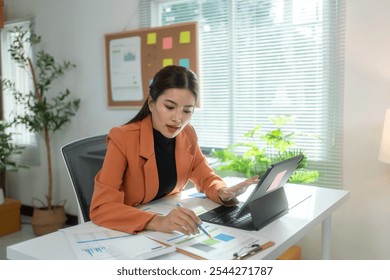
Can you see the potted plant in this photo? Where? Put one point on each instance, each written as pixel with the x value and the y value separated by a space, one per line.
pixel 263 149
pixel 46 113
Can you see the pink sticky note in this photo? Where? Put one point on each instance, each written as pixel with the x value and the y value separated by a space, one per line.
pixel 167 43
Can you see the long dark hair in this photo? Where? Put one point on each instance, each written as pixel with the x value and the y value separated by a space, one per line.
pixel 171 76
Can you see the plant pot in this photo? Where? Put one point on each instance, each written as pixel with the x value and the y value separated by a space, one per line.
pixel 46 220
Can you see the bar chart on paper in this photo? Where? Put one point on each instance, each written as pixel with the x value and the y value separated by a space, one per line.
pixel 96 242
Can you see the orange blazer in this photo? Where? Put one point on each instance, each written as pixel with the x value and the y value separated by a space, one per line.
pixel 129 175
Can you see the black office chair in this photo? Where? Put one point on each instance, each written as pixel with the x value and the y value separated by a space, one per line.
pixel 83 159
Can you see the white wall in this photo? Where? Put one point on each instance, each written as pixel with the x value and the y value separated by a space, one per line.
pixel 75 29
pixel 361 228
pixel 366 226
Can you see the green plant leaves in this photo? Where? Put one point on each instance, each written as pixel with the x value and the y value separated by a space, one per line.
pixel 7 149
pixel 41 111
pixel 264 149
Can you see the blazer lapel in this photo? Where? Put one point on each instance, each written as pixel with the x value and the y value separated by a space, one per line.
pixel 147 152
pixel 183 159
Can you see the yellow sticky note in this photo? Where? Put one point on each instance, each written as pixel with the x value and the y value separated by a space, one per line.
pixel 152 38
pixel 167 61
pixel 185 37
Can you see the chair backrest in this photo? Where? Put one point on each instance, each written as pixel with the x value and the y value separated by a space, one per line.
pixel 83 159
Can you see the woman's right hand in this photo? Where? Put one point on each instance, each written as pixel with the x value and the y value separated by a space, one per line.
pixel 179 219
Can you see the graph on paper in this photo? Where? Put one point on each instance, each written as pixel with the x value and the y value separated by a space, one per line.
pixel 94 242
pixel 224 242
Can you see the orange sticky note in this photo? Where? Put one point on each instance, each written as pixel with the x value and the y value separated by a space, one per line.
pixel 151 38
pixel 185 37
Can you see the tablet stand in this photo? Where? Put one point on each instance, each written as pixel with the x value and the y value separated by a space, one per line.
pixel 267 208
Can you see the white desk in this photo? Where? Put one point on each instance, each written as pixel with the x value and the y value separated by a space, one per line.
pixel 285 231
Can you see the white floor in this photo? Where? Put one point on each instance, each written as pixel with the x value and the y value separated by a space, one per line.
pixel 25 233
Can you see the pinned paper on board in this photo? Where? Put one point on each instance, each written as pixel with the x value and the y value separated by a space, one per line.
pixel 134 57
pixel 152 37
pixel 125 64
pixel 185 62
pixel 185 37
pixel 167 62
pixel 167 43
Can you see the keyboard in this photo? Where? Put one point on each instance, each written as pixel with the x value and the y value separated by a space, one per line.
pixel 224 215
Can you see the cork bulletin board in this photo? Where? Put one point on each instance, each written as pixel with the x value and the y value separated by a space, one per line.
pixel 134 57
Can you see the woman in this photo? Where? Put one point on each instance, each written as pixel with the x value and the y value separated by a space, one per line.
pixel 154 155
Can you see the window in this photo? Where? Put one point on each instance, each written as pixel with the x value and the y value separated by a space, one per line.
pixel 11 71
pixel 262 58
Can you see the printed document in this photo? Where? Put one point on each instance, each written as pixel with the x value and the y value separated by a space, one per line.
pixel 93 242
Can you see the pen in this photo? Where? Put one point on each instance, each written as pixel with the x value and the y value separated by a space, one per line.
pixel 200 226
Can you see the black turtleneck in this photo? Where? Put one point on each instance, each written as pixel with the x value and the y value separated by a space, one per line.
pixel 164 149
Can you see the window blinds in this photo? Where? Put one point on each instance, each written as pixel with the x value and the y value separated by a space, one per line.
pixel 11 71
pixel 265 58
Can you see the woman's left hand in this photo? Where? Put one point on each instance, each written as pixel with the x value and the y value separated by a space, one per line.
pixel 227 194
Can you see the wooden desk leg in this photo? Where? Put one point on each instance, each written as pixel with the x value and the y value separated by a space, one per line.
pixel 326 238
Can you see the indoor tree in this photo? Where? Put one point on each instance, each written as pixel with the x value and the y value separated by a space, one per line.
pixel 45 111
